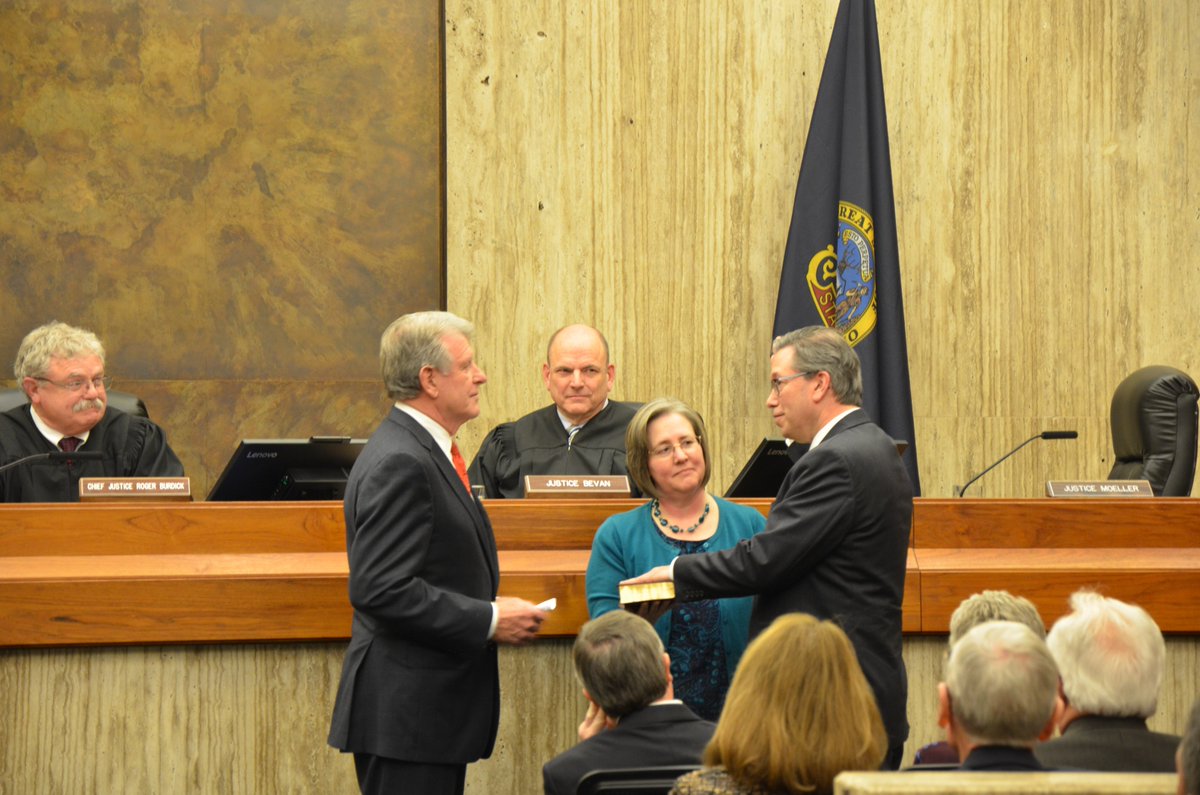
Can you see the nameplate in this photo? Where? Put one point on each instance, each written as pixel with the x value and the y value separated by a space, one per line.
pixel 576 486
pixel 1099 488
pixel 127 489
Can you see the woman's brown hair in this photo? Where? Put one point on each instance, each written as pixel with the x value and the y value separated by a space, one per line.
pixel 799 711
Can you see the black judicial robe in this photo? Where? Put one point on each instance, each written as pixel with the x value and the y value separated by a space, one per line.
pixel 132 446
pixel 537 444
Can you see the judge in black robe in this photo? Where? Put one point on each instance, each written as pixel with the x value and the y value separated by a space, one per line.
pixel 132 446
pixel 539 444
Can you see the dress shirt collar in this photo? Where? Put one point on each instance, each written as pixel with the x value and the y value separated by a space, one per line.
pixel 568 424
pixel 53 436
pixel 440 435
pixel 827 427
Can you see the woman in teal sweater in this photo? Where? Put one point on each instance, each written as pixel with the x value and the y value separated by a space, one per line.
pixel 667 456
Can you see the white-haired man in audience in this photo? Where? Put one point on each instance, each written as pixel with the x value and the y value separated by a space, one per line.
pixel 1110 655
pixel 1187 758
pixel 999 698
pixel 977 609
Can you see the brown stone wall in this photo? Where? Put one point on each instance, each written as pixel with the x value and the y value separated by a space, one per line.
pixel 236 196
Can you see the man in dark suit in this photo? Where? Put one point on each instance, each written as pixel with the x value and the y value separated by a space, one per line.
pixel 633 718
pixel 836 540
pixel 999 697
pixel 419 696
pixel 1110 655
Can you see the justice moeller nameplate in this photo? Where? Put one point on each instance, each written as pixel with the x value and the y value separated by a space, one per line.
pixel 1098 488
pixel 576 486
pixel 135 489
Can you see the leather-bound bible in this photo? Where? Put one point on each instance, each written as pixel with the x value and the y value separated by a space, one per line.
pixel 646 592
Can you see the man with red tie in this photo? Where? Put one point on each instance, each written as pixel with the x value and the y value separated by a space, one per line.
pixel 419 696
pixel 61 370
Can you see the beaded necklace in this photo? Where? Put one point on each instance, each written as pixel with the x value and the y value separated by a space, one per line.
pixel 656 509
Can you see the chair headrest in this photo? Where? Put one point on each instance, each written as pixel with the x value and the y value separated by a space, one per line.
pixel 1154 426
pixel 130 404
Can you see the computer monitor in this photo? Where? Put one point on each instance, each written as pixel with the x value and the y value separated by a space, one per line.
pixel 763 474
pixel 288 469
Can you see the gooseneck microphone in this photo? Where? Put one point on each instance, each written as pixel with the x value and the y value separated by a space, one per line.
pixel 958 491
pixel 78 455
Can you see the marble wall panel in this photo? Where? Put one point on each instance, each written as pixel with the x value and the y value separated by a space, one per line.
pixel 232 194
pixel 634 165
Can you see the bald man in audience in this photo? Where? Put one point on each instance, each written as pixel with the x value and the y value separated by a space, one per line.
pixel 582 433
pixel 999 698
pixel 1110 655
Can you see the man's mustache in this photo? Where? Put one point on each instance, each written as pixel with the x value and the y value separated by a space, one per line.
pixel 85 404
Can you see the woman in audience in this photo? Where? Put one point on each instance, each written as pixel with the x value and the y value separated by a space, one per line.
pixel 667 454
pixel 798 713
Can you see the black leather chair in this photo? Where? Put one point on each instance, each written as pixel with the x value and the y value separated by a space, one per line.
pixel 130 404
pixel 632 780
pixel 1154 426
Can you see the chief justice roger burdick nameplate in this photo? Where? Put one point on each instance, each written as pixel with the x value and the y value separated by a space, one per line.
pixel 841 267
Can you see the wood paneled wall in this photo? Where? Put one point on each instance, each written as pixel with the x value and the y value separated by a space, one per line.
pixel 634 164
pixel 253 719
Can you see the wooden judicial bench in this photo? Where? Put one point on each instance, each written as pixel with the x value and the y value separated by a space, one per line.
pixel 162 573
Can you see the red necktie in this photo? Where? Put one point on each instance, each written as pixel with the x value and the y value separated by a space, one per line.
pixel 460 466
pixel 69 444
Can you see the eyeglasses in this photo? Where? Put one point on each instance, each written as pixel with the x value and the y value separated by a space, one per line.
pixel 688 446
pixel 777 383
pixel 80 384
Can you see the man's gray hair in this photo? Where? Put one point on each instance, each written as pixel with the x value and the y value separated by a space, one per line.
pixel 1111 656
pixel 994 606
pixel 415 341
pixel 1003 684
pixel 619 660
pixel 817 348
pixel 1189 753
pixel 53 341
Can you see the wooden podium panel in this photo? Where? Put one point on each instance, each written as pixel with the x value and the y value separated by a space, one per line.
pixel 1144 551
pixel 1166 582
pixel 1055 524
pixel 235 572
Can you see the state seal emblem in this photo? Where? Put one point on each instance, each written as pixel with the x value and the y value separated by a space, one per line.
pixel 842 282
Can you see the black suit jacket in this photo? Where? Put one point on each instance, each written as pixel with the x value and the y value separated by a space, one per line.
pixel 835 546
pixel 420 681
pixel 1126 745
pixel 661 734
pixel 1001 757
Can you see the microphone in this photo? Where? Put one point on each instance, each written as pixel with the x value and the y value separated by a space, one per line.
pixel 58 455
pixel 958 491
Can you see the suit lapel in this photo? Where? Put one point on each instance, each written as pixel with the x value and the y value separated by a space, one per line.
pixel 483 527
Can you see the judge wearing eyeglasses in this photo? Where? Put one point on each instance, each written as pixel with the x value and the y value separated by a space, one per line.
pixel 668 457
pixel 61 370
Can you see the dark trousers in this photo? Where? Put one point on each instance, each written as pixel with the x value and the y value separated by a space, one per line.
pixel 379 775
